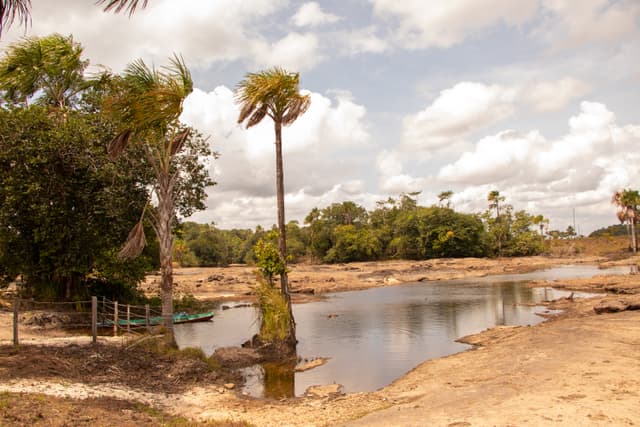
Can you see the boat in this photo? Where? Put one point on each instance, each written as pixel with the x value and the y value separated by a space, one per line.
pixel 178 318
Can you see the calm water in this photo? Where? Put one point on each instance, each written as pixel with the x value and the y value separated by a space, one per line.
pixel 375 336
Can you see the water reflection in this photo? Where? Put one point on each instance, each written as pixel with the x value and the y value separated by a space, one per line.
pixel 375 336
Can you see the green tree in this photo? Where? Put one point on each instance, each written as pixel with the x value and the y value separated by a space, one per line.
pixel 148 102
pixel 628 203
pixel 274 93
pixel 445 198
pixel 66 206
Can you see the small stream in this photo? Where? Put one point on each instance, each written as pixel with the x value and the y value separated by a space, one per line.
pixel 374 336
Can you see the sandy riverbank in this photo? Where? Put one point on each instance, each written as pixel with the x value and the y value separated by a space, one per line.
pixel 580 368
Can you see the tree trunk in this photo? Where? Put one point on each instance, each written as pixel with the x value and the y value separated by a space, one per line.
pixel 165 240
pixel 634 237
pixel 284 279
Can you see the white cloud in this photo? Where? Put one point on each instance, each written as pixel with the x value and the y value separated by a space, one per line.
pixel 363 40
pixel 392 178
pixel 317 164
pixel 592 21
pixel 554 95
pixel 422 24
pixel 458 111
pixel 580 169
pixel 295 51
pixel 311 14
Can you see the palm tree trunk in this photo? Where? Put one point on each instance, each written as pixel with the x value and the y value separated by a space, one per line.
pixel 284 279
pixel 165 240
pixel 634 237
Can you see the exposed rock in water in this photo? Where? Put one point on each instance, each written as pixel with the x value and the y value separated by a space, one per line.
pixel 321 391
pixel 237 356
pixel 305 366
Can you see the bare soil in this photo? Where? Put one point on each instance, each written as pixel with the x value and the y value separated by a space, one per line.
pixel 579 368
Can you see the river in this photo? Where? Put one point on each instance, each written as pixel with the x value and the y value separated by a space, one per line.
pixel 374 336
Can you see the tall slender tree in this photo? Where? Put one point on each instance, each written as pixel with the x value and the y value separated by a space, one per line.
pixel 148 102
pixel 274 93
pixel 445 198
pixel 628 203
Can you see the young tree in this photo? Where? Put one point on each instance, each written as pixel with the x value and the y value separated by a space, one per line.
pixel 46 70
pixel 148 102
pixel 628 202
pixel 274 93
pixel 445 196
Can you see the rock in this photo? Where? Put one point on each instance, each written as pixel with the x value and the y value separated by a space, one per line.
pixel 309 291
pixel 610 307
pixel 321 391
pixel 215 278
pixel 301 367
pixel 229 386
pixel 237 356
pixel 391 281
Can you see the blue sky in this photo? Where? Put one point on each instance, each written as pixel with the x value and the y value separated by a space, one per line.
pixel 535 98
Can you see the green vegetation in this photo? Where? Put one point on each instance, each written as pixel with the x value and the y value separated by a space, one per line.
pixel 66 205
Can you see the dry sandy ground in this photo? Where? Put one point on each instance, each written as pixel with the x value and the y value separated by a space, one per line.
pixel 577 369
pixel 235 282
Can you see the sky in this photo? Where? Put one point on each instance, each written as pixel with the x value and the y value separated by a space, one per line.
pixel 538 99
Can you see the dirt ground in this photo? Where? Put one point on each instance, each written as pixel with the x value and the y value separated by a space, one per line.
pixel 309 280
pixel 579 368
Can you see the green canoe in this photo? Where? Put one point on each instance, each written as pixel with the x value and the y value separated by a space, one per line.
pixel 157 320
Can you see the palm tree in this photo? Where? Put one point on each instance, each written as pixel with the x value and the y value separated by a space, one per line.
pixel 119 5
pixel 47 68
pixel 445 196
pixel 628 203
pixel 10 10
pixel 274 93
pixel 148 104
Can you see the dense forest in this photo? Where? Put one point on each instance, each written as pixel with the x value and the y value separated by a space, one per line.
pixel 396 228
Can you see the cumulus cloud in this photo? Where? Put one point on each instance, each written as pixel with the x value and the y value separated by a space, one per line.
pixel 554 95
pixel 363 40
pixel 420 24
pixel 580 169
pixel 458 111
pixel 203 32
pixel 317 164
pixel 311 14
pixel 295 51
pixel 595 21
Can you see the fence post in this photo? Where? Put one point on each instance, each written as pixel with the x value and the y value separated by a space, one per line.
pixel 16 304
pixel 115 318
pixel 94 319
pixel 128 319
pixel 146 318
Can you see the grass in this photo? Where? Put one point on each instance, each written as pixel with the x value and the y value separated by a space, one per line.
pixel 158 345
pixel 274 313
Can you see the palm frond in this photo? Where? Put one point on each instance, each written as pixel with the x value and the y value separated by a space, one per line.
pixel 10 10
pixel 296 108
pixel 119 5
pixel 178 141
pixel 257 116
pixel 118 144
pixel 135 243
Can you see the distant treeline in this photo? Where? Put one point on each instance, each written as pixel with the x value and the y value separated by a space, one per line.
pixel 396 229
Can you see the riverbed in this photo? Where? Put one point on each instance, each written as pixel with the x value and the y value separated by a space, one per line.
pixel 374 336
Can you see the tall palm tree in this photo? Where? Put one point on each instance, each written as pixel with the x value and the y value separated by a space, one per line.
pixel 628 203
pixel 10 10
pixel 148 103
pixel 274 93
pixel 47 69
